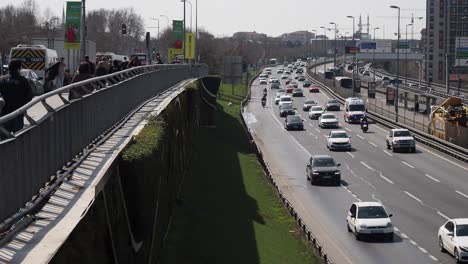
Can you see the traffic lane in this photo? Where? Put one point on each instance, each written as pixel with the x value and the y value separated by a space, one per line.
pixel 344 206
pixel 329 207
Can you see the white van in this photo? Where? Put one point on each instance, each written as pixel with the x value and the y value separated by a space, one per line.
pixel 355 109
pixel 35 57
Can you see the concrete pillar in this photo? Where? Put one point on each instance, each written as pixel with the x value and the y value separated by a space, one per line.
pixel 406 99
pixel 416 99
pixel 428 104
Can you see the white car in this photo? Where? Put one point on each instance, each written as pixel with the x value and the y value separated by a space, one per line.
pixel 369 218
pixel 453 238
pixel 263 76
pixel 285 99
pixel 328 120
pixel 263 81
pixel 277 98
pixel 338 139
pixel 400 139
pixel 284 76
pixel 315 112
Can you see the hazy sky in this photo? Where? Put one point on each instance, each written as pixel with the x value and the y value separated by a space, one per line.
pixel 273 17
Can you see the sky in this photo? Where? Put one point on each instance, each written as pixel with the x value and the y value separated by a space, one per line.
pixel 272 17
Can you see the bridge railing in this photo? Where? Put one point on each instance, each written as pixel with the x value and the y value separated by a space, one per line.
pixel 60 129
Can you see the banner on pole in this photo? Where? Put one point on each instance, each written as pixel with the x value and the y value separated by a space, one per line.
pixel 172 53
pixel 177 33
pixel 190 46
pixel 72 26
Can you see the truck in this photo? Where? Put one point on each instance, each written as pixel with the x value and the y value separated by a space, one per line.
pixel 34 57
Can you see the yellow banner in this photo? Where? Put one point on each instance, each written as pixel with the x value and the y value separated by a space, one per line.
pixel 190 46
pixel 172 53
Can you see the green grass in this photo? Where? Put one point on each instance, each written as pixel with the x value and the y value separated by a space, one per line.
pixel 229 212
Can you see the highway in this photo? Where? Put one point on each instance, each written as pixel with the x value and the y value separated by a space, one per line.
pixel 421 189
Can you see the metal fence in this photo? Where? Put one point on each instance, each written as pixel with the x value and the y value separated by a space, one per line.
pixel 34 156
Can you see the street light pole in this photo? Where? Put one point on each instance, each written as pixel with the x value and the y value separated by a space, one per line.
pixel 354 60
pixel 325 41
pixel 183 46
pixel 196 31
pixel 157 41
pixel 373 61
pixel 406 54
pixel 167 19
pixel 334 51
pixel 83 29
pixel 190 14
pixel 398 66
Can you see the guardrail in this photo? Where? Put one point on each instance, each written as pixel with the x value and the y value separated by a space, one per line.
pixel 32 159
pixel 427 139
pixel 306 231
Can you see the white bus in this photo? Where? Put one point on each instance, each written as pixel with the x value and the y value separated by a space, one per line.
pixel 344 82
pixel 273 62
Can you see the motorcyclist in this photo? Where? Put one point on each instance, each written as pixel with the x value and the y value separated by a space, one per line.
pixel 265 91
pixel 264 101
pixel 364 121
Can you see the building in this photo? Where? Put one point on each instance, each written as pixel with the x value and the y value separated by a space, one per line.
pixel 249 36
pixel 301 37
pixel 446 20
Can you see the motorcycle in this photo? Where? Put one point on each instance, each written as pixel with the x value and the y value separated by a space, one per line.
pixel 263 101
pixel 364 127
pixel 265 93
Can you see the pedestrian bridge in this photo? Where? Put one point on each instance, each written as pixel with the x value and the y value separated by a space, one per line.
pixel 59 133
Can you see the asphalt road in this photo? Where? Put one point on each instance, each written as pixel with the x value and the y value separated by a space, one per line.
pixel 421 189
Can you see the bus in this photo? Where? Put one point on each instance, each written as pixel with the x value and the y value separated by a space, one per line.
pixel 327 74
pixel 273 62
pixel 344 82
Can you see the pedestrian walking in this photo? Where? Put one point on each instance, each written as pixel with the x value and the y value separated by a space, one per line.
pixel 124 64
pixel 115 67
pixel 83 74
pixel 61 73
pixel 16 92
pixel 101 69
pixel 92 66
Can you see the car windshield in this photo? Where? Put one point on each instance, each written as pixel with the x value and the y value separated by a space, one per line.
pixel 286 99
pixel 328 117
pixel 372 212
pixel 318 108
pixel 332 101
pixel 324 162
pixel 462 230
pixel 404 133
pixel 294 118
pixel 297 90
pixel 309 102
pixel 287 107
pixel 339 135
pixel 360 108
pixel 307 81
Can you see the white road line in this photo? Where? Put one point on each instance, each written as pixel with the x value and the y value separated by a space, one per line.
pixel 385 178
pixel 444 216
pixel 432 178
pixel 412 242
pixel 359 136
pixel 312 134
pixel 404 235
pixel 310 124
pixel 318 130
pixel 347 129
pixel 359 200
pixel 396 229
pixel 462 194
pixel 407 164
pixel 388 153
pixel 367 166
pixel 373 144
pixel 434 258
pixel 439 156
pixel 422 249
pixel 352 156
pixel 412 196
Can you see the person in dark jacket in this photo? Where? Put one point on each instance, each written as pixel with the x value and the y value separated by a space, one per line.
pixel 16 92
pixel 115 67
pixel 83 74
pixel 92 66
pixel 101 69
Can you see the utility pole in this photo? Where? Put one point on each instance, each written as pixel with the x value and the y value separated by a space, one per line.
pixel 196 31
pixel 375 42
pixel 83 29
pixel 398 66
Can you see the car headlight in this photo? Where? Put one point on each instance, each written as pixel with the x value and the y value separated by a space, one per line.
pixel 389 224
pixel 337 173
pixel 363 226
pixel 315 172
pixel 464 249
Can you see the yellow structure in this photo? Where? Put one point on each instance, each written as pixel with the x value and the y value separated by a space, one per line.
pixel 450 121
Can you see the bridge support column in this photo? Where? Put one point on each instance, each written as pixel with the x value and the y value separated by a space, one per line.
pixel 406 99
pixel 428 104
pixel 416 99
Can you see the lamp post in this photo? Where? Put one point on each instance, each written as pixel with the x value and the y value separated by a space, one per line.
pixel 157 26
pixel 334 52
pixel 167 19
pixel 354 58
pixel 398 65
pixel 183 45
pixel 190 14
pixel 406 54
pixel 325 41
pixel 373 61
pixel 83 29
pixel 196 30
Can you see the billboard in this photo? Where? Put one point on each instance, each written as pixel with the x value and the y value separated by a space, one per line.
pixel 384 46
pixel 177 33
pixel 351 49
pixel 190 46
pixel 368 46
pixel 371 90
pixel 73 25
pixel 172 53
pixel 461 51
pixel 390 95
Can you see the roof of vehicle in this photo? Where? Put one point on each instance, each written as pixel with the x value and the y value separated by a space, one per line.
pixel 337 131
pixel 460 221
pixel 322 156
pixel 286 96
pixel 354 100
pixel 363 204
pixel 399 129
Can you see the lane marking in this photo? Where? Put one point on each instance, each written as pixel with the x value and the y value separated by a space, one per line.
pixel 422 249
pixel 444 216
pixel 318 130
pixel 352 156
pixel 412 196
pixel 373 144
pixel 462 194
pixel 396 229
pixel 367 166
pixel 359 136
pixel 385 178
pixel 388 153
pixel 310 124
pixel 439 156
pixel 404 236
pixel 349 130
pixel 412 242
pixel 407 164
pixel 432 178
pixel 433 258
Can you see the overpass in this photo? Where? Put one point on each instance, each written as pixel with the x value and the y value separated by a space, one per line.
pixel 53 171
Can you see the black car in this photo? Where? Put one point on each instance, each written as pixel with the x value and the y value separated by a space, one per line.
pixel 298 93
pixel 332 105
pixel 323 168
pixel 307 84
pixel 294 122
pixel 286 110
pixel 301 78
pixel 294 83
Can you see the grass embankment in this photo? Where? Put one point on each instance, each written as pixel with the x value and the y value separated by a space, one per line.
pixel 229 212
